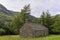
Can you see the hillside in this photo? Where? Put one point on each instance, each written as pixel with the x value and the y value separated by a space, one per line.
pixel 4 11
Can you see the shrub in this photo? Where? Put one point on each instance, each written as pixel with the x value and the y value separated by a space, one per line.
pixel 2 31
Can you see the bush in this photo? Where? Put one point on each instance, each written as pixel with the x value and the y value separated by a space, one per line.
pixel 2 31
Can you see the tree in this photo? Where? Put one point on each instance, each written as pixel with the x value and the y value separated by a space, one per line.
pixel 42 19
pixel 49 21
pixel 56 24
pixel 20 18
pixel 24 14
pixel 46 20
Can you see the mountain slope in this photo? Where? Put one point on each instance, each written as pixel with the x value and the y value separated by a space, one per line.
pixel 5 11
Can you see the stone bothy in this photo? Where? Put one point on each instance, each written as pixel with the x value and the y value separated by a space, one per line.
pixel 33 30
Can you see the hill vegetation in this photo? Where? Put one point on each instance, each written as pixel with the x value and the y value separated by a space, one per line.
pixel 11 22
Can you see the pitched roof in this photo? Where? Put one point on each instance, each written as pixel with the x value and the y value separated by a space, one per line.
pixel 37 26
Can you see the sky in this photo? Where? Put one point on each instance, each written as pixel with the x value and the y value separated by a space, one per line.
pixel 37 6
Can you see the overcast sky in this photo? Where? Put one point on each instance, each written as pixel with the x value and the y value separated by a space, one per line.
pixel 37 6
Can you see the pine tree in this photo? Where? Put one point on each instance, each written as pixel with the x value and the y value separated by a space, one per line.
pixel 25 13
pixel 20 18
pixel 42 18
pixel 46 20
pixel 49 21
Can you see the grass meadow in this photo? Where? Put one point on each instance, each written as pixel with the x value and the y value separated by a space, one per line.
pixel 17 37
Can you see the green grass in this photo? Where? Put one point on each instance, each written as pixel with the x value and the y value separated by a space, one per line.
pixel 16 37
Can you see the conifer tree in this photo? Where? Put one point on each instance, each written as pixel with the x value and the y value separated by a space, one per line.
pixel 20 18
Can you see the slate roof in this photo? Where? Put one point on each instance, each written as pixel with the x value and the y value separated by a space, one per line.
pixel 37 26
